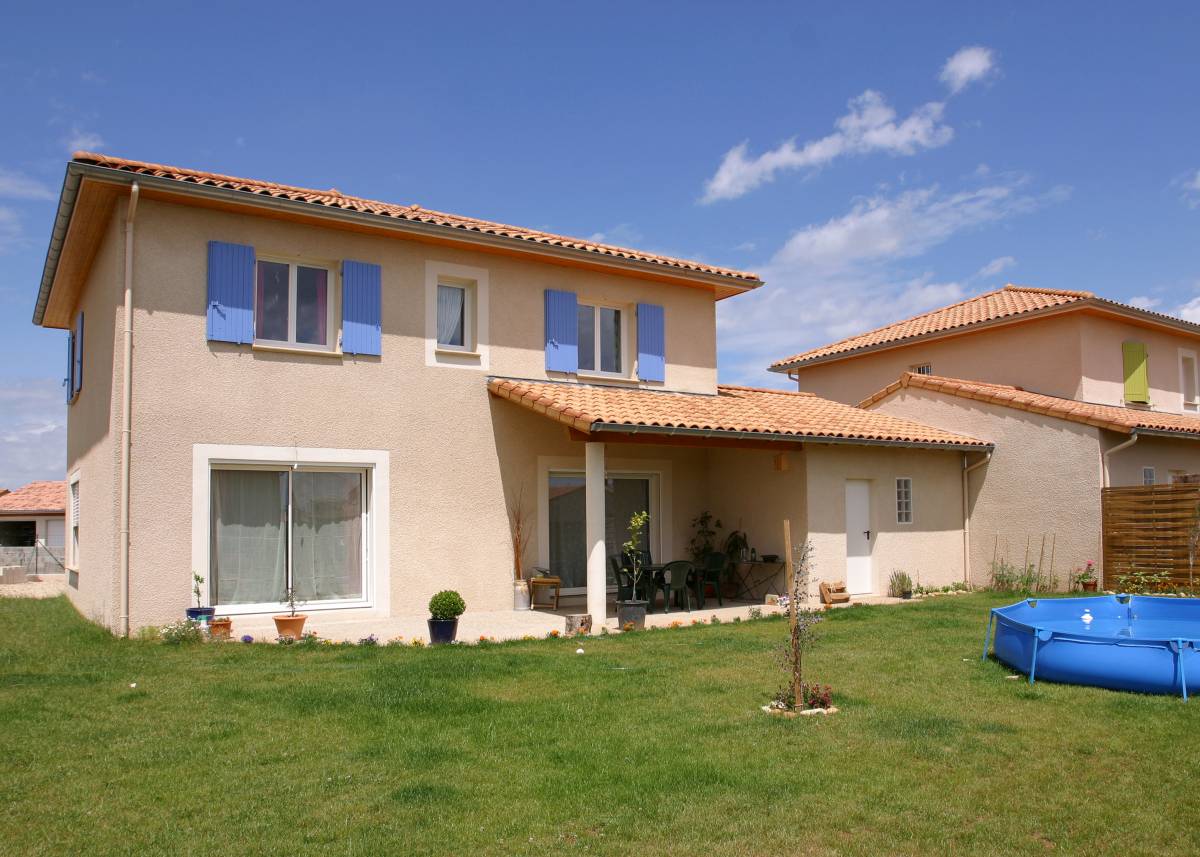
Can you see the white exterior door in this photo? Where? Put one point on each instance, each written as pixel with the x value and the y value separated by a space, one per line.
pixel 859 580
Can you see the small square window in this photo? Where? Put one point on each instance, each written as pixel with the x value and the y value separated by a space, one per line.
pixel 904 505
pixel 922 369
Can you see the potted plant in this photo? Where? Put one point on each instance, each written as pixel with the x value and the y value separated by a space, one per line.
pixel 221 628
pixel 900 585
pixel 1087 578
pixel 203 615
pixel 444 610
pixel 737 548
pixel 290 624
pixel 519 523
pixel 632 612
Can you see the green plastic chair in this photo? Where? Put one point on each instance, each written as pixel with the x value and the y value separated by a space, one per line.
pixel 623 579
pixel 714 573
pixel 676 578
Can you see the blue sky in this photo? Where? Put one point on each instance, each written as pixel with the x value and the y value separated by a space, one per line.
pixel 869 160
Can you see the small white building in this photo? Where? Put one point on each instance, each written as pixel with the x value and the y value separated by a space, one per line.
pixel 33 527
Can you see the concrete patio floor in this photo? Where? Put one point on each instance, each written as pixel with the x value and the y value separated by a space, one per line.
pixel 500 624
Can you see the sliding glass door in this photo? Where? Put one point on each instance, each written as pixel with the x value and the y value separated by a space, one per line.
pixel 624 494
pixel 275 528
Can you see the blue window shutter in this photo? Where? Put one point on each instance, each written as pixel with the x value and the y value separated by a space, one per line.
pixel 562 331
pixel 77 366
pixel 651 343
pixel 69 381
pixel 362 311
pixel 230 292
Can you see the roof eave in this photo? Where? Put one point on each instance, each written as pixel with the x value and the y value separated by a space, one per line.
pixel 780 437
pixel 726 286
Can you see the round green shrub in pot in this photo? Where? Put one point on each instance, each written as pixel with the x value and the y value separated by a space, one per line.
pixel 444 610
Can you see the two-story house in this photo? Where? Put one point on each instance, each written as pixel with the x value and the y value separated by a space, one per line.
pixel 1076 392
pixel 276 387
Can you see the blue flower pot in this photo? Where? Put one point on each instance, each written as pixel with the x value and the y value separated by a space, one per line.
pixel 203 615
pixel 442 630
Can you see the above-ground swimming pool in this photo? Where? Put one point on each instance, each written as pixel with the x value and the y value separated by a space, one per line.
pixel 1124 642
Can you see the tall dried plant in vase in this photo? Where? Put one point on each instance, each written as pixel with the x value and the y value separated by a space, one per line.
pixel 519 523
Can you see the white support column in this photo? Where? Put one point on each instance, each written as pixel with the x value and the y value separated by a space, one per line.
pixel 597 574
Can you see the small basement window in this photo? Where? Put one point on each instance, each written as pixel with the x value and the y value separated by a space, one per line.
pixel 922 369
pixel 1147 475
pixel 904 504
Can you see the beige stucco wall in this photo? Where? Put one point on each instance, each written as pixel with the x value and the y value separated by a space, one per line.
pixel 445 436
pixel 93 432
pixel 1103 364
pixel 1043 480
pixel 930 549
pixel 1042 355
pixel 1166 455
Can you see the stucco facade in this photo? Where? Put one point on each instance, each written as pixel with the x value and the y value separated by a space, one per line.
pixel 444 461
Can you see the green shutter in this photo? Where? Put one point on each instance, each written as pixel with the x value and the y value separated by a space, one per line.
pixel 1137 378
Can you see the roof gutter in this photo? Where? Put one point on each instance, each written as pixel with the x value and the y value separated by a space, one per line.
pixel 776 437
pixel 1104 470
pixel 77 171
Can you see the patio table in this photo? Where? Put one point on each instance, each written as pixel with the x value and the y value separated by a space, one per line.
pixel 752 574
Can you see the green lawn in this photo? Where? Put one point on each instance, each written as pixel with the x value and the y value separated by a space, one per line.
pixel 649 743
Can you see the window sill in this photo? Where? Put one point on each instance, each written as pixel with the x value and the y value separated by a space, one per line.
pixel 604 376
pixel 456 352
pixel 287 349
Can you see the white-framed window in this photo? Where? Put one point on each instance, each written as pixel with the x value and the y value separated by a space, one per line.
pixel 295 305
pixel 269 518
pixel 1189 380
pixel 603 339
pixel 922 369
pixel 73 518
pixel 1147 475
pixel 456 315
pixel 904 500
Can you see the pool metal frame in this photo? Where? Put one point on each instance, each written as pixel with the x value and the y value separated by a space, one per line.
pixel 998 616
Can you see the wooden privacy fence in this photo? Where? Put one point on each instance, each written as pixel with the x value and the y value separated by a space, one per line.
pixel 1152 528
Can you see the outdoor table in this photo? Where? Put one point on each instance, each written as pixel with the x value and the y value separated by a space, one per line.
pixel 752 574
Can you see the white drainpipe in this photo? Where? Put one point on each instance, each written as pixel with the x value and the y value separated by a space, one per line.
pixel 1108 452
pixel 966 511
pixel 127 407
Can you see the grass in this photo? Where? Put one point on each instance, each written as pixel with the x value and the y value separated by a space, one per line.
pixel 650 743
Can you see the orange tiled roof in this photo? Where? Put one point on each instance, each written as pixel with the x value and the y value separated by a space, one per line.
pixel 991 306
pixel 335 199
pixel 1111 417
pixel 775 414
pixel 50 497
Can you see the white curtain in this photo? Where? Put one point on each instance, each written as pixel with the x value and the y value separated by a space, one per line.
pixel 450 301
pixel 249 536
pixel 327 535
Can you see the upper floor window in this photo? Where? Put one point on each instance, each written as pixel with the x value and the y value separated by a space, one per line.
pixel 1188 384
pixel 456 315
pixel 601 330
pixel 1136 372
pixel 923 369
pixel 293 305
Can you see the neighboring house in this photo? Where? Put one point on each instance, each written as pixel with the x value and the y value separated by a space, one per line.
pixel 1075 392
pixel 32 528
pixel 350 397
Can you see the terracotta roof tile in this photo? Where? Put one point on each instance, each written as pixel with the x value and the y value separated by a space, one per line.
pixel 334 198
pixel 1111 417
pixel 772 413
pixel 991 306
pixel 35 497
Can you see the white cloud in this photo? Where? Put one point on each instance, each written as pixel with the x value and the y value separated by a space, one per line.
pixel 967 66
pixel 994 267
pixel 16 185
pixel 1143 302
pixel 623 234
pixel 1189 311
pixel 1189 185
pixel 854 272
pixel 870 125
pixel 11 233
pixel 80 139
pixel 33 431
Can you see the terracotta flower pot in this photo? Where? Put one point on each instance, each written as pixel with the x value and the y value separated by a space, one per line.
pixel 290 626
pixel 220 629
pixel 1089 585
